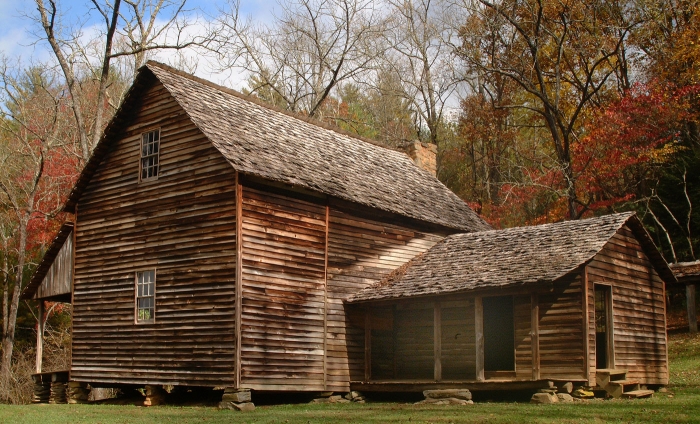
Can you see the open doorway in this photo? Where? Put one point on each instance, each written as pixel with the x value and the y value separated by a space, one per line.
pixel 499 334
pixel 604 357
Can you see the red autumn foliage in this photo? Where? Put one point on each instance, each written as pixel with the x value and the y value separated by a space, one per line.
pixel 626 143
pixel 630 139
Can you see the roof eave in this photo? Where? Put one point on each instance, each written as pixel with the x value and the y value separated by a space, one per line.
pixel 47 261
pixel 650 249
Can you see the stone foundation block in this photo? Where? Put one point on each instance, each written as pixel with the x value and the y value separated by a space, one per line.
pixel 463 394
pixel 544 398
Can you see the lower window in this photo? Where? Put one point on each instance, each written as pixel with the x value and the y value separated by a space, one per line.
pixel 145 296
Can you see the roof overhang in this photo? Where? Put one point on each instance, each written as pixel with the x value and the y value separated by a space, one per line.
pixel 686 272
pixel 47 261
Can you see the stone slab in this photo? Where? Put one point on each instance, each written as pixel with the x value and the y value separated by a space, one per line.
pixel 448 393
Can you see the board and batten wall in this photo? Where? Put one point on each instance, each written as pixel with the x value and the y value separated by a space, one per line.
pixel 638 305
pixel 183 225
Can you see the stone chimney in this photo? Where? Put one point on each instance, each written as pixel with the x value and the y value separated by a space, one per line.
pixel 424 155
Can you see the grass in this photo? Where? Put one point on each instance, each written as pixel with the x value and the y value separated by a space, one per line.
pixel 681 403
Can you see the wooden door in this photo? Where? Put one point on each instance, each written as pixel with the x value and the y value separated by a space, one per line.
pixel 604 352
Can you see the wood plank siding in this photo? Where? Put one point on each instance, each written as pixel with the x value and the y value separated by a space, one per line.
pixel 522 314
pixel 301 255
pixel 413 338
pixel 183 226
pixel 283 292
pixel 458 351
pixel 361 251
pixel 296 334
pixel 59 277
pixel 401 336
pixel 561 331
pixel 639 325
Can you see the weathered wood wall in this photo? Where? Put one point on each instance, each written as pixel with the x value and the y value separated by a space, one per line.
pixel 283 292
pixel 183 225
pixel 301 256
pixel 295 331
pixel 402 343
pixel 458 349
pixel 59 277
pixel 383 355
pixel 639 323
pixel 413 327
pixel 363 247
pixel 522 314
pixel 561 346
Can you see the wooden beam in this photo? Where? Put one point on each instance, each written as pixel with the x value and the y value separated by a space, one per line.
pixel 586 325
pixel 394 342
pixel 479 337
pixel 611 327
pixel 325 303
pixel 239 276
pixel 40 336
pixel 368 345
pixel 692 317
pixel 474 386
pixel 535 335
pixel 72 279
pixel 437 340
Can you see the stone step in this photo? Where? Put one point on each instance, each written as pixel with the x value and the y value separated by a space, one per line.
pixel 606 375
pixel 636 394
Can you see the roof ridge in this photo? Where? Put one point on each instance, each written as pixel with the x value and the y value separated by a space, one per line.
pixel 262 103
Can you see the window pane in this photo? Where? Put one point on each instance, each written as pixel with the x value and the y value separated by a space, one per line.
pixel 145 295
pixel 150 146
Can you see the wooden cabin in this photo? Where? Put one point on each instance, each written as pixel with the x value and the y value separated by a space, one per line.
pixel 516 307
pixel 215 238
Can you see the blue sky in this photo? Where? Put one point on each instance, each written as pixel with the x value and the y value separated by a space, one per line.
pixel 17 39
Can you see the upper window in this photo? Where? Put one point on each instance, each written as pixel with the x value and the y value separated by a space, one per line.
pixel 145 296
pixel 150 148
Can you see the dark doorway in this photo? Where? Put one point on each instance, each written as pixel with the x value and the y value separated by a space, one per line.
pixel 499 334
pixel 603 327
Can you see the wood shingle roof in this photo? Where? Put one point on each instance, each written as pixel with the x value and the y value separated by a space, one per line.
pixel 686 272
pixel 274 145
pixel 259 140
pixel 503 258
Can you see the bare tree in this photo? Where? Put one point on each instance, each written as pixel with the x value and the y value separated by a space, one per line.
pixel 130 31
pixel 310 48
pixel 421 58
pixel 564 56
pixel 32 128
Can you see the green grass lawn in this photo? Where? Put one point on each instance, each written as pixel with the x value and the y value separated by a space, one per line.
pixel 680 404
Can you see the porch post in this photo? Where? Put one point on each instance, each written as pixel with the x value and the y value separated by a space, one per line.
pixel 40 337
pixel 535 335
pixel 692 317
pixel 368 345
pixel 239 280
pixel 437 342
pixel 479 330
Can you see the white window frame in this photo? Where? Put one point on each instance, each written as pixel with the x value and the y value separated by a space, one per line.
pixel 149 161
pixel 139 282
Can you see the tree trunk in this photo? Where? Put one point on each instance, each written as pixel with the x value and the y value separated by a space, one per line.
pixel 8 339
